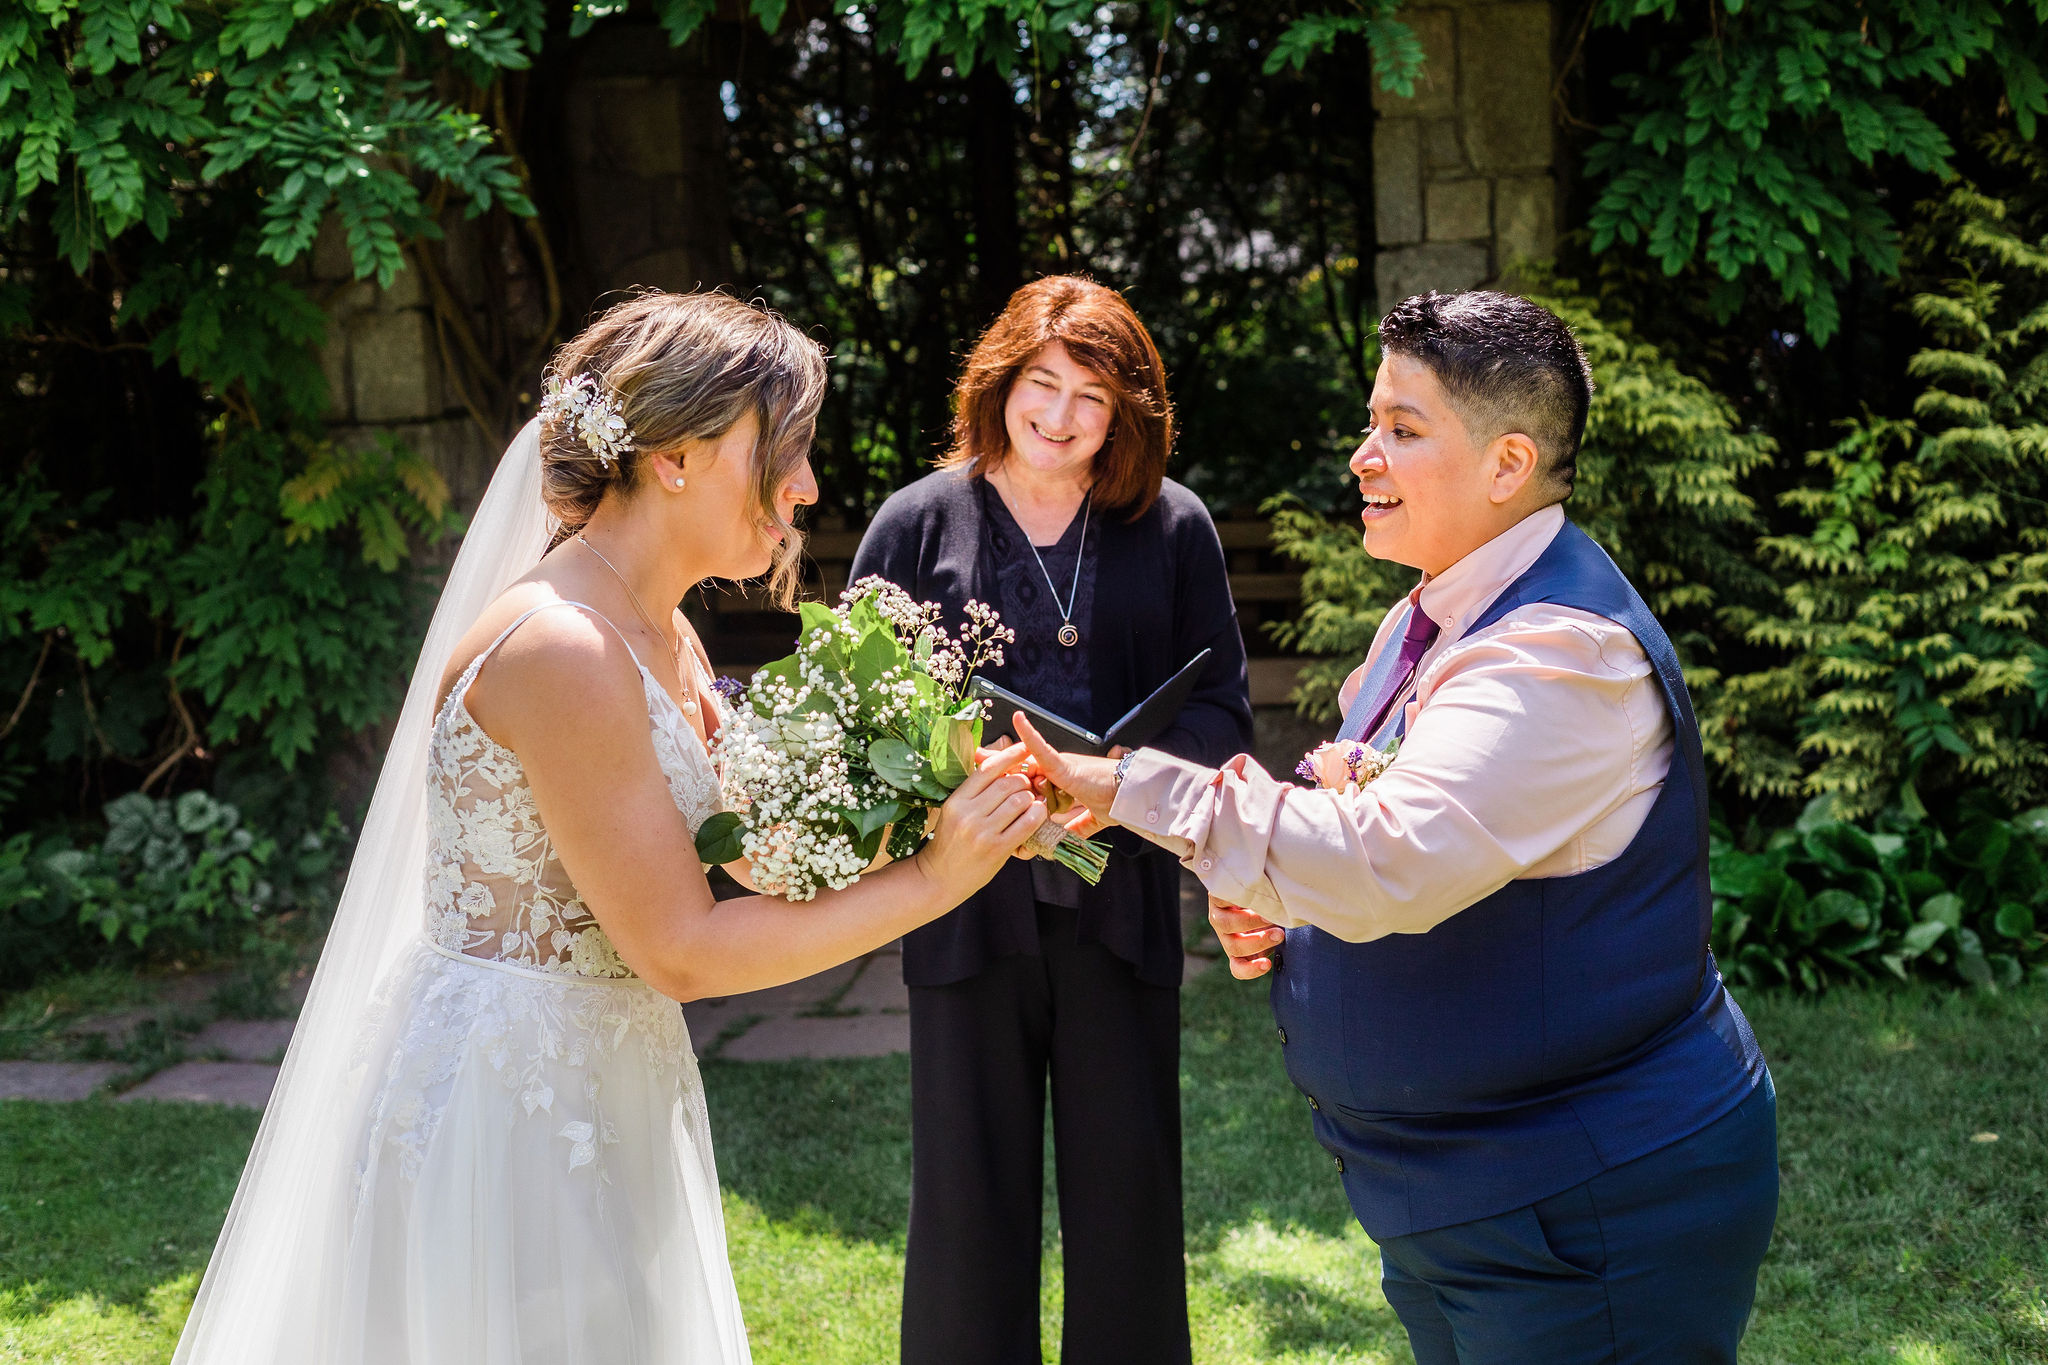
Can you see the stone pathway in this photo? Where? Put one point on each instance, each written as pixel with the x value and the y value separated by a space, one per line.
pixel 858 1009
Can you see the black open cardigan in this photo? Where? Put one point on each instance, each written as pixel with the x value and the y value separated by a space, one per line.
pixel 1162 594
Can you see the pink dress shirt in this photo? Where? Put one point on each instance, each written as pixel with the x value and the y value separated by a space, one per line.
pixel 1534 748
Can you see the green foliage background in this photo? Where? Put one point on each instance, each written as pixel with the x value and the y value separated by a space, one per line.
pixel 1834 500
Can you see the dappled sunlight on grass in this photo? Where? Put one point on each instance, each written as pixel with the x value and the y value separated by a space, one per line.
pixel 1292 1296
pixel 1901 1238
pixel 812 1296
pixel 87 1329
pixel 1912 1351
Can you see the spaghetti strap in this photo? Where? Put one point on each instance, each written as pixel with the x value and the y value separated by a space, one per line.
pixel 506 633
pixel 468 676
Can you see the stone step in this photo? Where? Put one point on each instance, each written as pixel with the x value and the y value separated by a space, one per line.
pixel 246 1085
pixel 55 1080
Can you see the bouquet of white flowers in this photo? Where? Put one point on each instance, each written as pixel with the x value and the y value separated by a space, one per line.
pixel 856 737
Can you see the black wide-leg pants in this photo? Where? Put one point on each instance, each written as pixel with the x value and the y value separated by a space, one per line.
pixel 981 1051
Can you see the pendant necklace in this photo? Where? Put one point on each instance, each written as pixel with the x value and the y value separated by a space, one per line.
pixel 687 679
pixel 1069 634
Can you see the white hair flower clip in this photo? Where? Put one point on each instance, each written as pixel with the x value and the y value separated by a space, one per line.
pixel 588 411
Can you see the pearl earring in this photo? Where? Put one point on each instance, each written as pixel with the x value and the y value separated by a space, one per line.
pixel 679 483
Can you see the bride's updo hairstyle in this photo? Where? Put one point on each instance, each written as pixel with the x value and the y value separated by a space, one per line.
pixel 686 367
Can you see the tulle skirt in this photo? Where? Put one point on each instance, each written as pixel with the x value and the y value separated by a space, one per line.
pixel 534 1183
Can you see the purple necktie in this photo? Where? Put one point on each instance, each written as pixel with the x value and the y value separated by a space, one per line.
pixel 1421 634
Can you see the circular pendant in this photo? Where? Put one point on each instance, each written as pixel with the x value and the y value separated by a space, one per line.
pixel 1069 636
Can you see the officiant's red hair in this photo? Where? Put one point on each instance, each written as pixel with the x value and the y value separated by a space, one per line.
pixel 1103 334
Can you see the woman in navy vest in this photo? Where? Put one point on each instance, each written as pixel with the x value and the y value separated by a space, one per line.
pixel 1052 506
pixel 1491 981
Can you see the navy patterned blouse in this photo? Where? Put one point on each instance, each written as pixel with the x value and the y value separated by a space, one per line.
pixel 1051 674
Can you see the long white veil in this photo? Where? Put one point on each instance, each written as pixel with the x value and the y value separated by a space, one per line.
pixel 287 1229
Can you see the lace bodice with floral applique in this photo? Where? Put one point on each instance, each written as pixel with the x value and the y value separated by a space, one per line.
pixel 494 887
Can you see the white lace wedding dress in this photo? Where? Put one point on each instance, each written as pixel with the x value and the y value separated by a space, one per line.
pixel 534 1180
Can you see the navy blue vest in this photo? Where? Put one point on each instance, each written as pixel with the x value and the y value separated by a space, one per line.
pixel 1559 1027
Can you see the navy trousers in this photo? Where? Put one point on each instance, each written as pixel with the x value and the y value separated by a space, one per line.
pixel 1651 1263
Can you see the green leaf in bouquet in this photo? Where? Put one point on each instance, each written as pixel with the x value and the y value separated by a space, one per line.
pixel 874 818
pixel 908 835
pixel 866 846
pixel 896 763
pixel 785 671
pixel 718 838
pixel 816 616
pixel 865 616
pixel 923 652
pixel 950 750
pixel 876 654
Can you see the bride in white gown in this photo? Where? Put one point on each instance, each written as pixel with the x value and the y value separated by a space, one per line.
pixel 488 1143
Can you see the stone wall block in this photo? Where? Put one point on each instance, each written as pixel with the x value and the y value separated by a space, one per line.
pixel 1397 180
pixel 1443 146
pixel 677 270
pixel 460 452
pixel 632 124
pixel 1525 219
pixel 334 364
pixel 624 230
pixel 331 260
pixel 1460 210
pixel 408 289
pixel 1436 88
pixel 393 367
pixel 1436 265
pixel 1504 86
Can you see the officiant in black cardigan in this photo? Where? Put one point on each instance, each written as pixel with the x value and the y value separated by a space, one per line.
pixel 1052 507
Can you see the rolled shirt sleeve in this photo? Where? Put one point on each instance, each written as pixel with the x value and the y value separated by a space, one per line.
pixel 1534 748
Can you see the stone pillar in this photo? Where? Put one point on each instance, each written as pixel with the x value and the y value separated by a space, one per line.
pixel 1463 170
pixel 645 136
pixel 384 371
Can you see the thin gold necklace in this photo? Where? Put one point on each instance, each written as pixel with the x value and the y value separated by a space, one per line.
pixel 687 679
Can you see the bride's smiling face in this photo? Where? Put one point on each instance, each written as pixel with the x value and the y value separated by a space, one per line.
pixel 729 533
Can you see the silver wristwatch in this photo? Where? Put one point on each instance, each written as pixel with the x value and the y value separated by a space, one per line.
pixel 1123 765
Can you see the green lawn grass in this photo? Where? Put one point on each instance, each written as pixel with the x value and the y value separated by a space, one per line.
pixel 1903 1237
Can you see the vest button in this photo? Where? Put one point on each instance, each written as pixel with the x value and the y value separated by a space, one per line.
pixel 1340 1164
pixel 1283 1035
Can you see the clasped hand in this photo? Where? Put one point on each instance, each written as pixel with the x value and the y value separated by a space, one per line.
pixel 1064 781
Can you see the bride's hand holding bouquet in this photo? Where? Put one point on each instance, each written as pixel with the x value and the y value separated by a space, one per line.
pixel 838 753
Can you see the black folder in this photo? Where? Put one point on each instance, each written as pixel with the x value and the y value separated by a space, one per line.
pixel 1139 725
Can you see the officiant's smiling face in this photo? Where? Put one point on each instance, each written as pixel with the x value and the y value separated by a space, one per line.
pixel 1058 412
pixel 1432 492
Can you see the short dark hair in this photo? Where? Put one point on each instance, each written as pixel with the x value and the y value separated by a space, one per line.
pixel 1506 364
